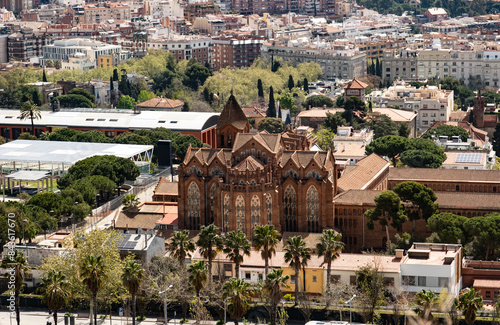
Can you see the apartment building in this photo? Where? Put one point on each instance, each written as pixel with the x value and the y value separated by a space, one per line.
pixel 236 51
pixel 26 44
pixel 184 47
pixel 98 13
pixel 438 63
pixel 310 7
pixel 335 63
pixel 430 103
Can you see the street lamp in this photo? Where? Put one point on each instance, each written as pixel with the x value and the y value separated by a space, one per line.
pixel 165 292
pixel 225 307
pixel 350 307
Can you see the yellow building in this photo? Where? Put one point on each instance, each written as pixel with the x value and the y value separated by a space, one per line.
pixel 108 60
pixel 315 277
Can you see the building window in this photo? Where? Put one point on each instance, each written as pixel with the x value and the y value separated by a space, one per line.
pixel 211 200
pixel 422 281
pixel 388 281
pixel 290 208
pixel 255 211
pixel 248 275
pixel 443 282
pixel 269 208
pixel 240 213
pixel 408 280
pixel 315 278
pixel 292 279
pixel 352 280
pixel 488 294
pixel 228 267
pixel 334 278
pixel 225 225
pixel 193 206
pixel 312 207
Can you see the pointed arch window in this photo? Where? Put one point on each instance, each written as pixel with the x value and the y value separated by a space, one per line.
pixel 290 209
pixel 255 211
pixel 211 204
pixel 225 222
pixel 240 213
pixel 269 208
pixel 193 206
pixel 312 208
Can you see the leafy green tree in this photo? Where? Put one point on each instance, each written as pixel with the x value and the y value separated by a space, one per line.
pixel 404 130
pixel 420 201
pixel 196 74
pixel 353 103
pixel 449 227
pixel 55 291
pixel 126 102
pixel 447 130
pixel 48 201
pixel 387 212
pixel 469 302
pixel 426 300
pixel 372 288
pixel 26 136
pixel 19 269
pixel 83 92
pixel 318 101
pixel 130 201
pixel 330 245
pixel 209 242
pixel 297 254
pixel 382 125
pixel 291 83
pixel 486 233
pixel 271 110
pixel 237 293
pixel 287 102
pixel 31 111
pixel 496 140
pixel 260 89
pixel 93 274
pixel 198 275
pixel 423 153
pixel 181 246
pixel 132 276
pixel 273 283
pixel 325 138
pixel 265 239
pixel 57 64
pixel 181 142
pixel 390 146
pixel 271 125
pixel 236 246
pixel 333 121
pixel 339 102
pixel 73 100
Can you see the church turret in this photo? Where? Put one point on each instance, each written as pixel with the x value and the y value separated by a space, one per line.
pixel 232 121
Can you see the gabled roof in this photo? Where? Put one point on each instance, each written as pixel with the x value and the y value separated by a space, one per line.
pixel 232 114
pixel 355 84
pixel 362 174
pixel 303 158
pixel 269 141
pixel 165 187
pixel 161 103
pixel 207 155
pixel 249 164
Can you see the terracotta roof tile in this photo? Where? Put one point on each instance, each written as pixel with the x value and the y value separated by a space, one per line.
pixel 232 114
pixel 249 164
pixel 165 187
pixel 362 174
pixel 133 220
pixel 484 283
pixel 454 175
pixel 355 84
pixel 161 103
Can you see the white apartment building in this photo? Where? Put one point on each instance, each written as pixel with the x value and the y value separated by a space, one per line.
pixel 159 9
pixel 184 47
pixel 430 103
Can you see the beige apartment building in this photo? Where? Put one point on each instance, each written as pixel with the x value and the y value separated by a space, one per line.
pixel 184 47
pixel 439 63
pixel 98 13
pixel 430 103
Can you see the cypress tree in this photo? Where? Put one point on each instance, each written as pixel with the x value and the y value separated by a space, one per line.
pixel 36 97
pixel 306 85
pixel 271 110
pixel 260 90
pixel 279 113
pixel 378 68
pixel 44 76
pixel 115 75
pixel 206 94
pixel 291 83
pixel 111 86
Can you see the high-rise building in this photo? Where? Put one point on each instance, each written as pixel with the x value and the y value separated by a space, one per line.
pixel 235 51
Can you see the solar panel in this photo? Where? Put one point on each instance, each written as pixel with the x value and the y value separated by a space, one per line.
pixel 472 158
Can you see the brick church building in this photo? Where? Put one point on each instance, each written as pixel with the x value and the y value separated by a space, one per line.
pixel 256 178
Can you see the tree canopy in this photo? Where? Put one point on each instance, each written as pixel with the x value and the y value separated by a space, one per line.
pixel 389 146
pixel 448 131
pixel 271 125
pixel 318 101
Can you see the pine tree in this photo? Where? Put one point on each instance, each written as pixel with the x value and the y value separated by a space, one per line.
pixel 44 76
pixel 271 111
pixel 291 83
pixel 260 89
pixel 496 139
pixel 306 85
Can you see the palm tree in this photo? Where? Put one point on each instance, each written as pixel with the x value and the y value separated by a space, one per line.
pixel 238 296
pixel 209 242
pixel 132 276
pixel 198 275
pixel 297 254
pixel 329 247
pixel 55 291
pixel 130 201
pixel 236 243
pixel 426 299
pixel 30 110
pixel 469 302
pixel 92 273
pixel 181 246
pixel 273 283
pixel 265 239
pixel 19 264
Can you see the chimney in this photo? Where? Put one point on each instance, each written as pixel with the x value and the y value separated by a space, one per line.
pixel 399 253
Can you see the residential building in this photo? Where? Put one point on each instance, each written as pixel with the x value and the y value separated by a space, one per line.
pixel 196 9
pixel 26 44
pixel 369 173
pixel 244 182
pixel 309 7
pixel 398 116
pixel 235 51
pixel 430 103
pixel 184 47
pixel 95 13
pixel 166 191
pixel 16 5
pixel 341 64
pixel 355 88
pixel 436 14
pixel 483 276
pixel 143 245
pixel 314 117
pixel 48 90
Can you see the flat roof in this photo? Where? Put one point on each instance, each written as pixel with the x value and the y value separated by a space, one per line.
pixel 65 152
pixel 28 175
pixel 115 119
